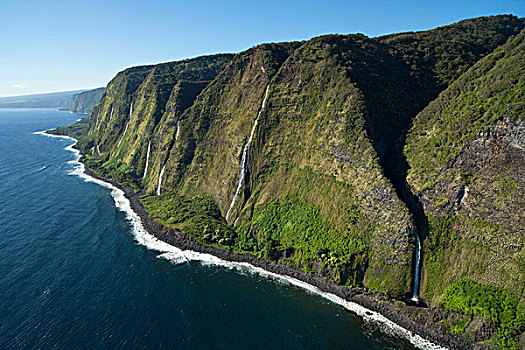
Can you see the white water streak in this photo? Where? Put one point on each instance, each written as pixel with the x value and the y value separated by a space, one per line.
pixel 178 131
pixel 244 157
pixel 123 134
pixel 177 256
pixel 147 161
pixel 415 292
pixel 127 124
pixel 97 120
pixel 160 179
pixel 107 125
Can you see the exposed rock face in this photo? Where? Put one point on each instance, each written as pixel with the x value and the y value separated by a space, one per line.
pixel 472 182
pixel 336 105
pixel 326 189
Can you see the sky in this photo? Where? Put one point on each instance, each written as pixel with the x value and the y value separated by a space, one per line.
pixel 60 45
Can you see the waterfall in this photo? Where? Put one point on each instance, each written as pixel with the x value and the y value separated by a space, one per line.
pixel 97 120
pixel 160 179
pixel 164 167
pixel 244 158
pixel 107 125
pixel 127 124
pixel 178 131
pixel 147 160
pixel 415 292
pixel 124 133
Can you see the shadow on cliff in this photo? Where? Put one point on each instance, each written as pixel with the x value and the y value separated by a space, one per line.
pixel 394 97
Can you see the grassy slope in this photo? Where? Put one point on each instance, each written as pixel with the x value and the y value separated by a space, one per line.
pixel 315 195
pixel 311 159
pixel 85 101
pixel 149 88
pixel 479 235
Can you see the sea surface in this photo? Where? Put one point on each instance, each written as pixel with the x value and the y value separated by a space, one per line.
pixel 74 275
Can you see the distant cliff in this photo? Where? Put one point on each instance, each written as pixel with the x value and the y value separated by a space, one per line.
pixel 333 154
pixel 58 100
pixel 85 101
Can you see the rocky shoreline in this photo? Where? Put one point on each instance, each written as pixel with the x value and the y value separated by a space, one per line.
pixel 421 321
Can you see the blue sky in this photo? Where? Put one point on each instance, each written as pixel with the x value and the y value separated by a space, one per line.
pixel 66 45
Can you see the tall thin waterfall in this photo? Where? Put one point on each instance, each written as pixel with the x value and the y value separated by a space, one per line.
pixel 160 179
pixel 244 158
pixel 107 125
pixel 415 292
pixel 127 124
pixel 178 131
pixel 147 161
pixel 97 120
pixel 124 133
pixel 177 134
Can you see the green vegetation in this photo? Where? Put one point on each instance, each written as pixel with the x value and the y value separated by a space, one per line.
pixel 468 177
pixel 287 231
pixel 292 226
pixel 442 55
pixel 472 299
pixel 85 101
pixel 492 89
pixel 76 130
pixel 198 217
pixel 328 189
pixel 159 94
pixel 113 169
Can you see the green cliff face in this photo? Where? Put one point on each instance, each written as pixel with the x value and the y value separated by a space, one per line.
pixel 85 101
pixel 128 115
pixel 467 156
pixel 310 159
pixel 324 187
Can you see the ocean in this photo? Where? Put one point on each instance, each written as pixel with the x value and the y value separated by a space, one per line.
pixel 77 272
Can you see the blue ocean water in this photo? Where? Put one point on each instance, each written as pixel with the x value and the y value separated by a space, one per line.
pixel 74 277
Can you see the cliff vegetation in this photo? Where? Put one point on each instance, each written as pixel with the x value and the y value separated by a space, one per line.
pixel 332 154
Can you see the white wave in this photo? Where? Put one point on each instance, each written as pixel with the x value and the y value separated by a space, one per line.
pixel 174 257
pixel 367 315
pixel 44 133
pixel 178 256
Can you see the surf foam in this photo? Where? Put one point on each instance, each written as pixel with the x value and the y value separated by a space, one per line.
pixel 178 256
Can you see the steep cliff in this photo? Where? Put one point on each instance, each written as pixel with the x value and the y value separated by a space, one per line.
pixel 310 160
pixel 58 100
pixel 293 152
pixel 85 101
pixel 466 151
pixel 124 121
pixel 314 155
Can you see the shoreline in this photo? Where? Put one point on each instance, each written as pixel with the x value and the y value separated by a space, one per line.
pixel 394 318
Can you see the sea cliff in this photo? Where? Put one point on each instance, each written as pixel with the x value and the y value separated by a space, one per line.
pixel 327 159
